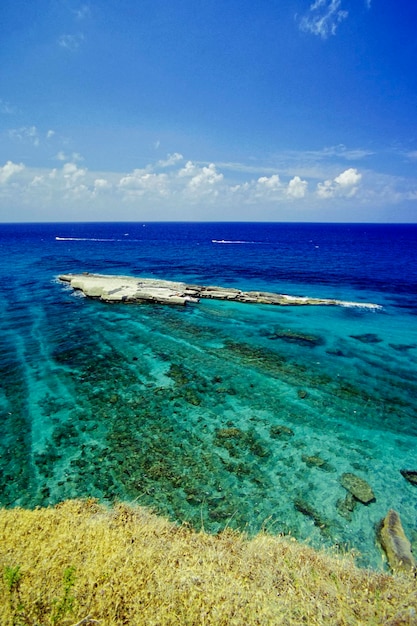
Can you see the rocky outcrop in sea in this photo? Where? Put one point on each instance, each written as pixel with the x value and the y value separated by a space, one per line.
pixel 129 289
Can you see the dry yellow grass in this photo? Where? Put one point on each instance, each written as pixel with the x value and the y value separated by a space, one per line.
pixel 128 566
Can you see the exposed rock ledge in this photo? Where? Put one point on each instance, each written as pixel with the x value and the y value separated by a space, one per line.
pixel 395 543
pixel 131 289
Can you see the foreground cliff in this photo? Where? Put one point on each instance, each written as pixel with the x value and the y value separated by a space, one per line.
pixel 136 289
pixel 79 563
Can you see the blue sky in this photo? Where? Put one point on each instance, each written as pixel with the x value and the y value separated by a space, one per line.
pixel 185 110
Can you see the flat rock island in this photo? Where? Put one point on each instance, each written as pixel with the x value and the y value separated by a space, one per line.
pixel 130 289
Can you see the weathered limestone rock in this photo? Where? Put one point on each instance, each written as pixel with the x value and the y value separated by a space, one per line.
pixel 410 475
pixel 131 289
pixel 358 487
pixel 395 543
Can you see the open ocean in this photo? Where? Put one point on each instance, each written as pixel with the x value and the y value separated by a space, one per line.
pixel 219 414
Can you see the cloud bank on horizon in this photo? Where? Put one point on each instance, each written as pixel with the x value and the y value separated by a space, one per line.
pixel 168 112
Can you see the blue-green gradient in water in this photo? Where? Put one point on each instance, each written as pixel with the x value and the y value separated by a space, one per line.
pixel 219 413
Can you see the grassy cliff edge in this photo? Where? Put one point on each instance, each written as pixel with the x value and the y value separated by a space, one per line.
pixel 81 563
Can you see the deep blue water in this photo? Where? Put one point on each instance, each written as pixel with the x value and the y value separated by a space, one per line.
pixel 216 413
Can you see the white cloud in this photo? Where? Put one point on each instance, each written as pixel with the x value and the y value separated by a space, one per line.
pixel 343 185
pixel 188 170
pixel 25 134
pixel 205 178
pixel 244 168
pixel 202 180
pixel 326 189
pixel 341 151
pixel 270 189
pixel 297 188
pixel 323 18
pixel 72 174
pixel 199 190
pixel 8 170
pixel 6 108
pixel 101 183
pixel 348 178
pixel 143 181
pixel 271 183
pixel 36 181
pixel 171 159
pixel 75 157
pixel 71 42
pixel 30 134
pixel 82 12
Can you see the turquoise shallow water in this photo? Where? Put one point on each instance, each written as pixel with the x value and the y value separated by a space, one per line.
pixel 219 414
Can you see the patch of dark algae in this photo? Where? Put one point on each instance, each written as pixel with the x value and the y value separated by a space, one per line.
pixel 126 438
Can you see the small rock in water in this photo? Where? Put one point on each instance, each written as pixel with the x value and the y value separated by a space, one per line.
pixel 335 352
pixel 396 545
pixel 281 431
pixel 367 338
pixel 313 461
pixel 306 509
pixel 302 393
pixel 410 475
pixel 358 487
pixel 346 506
pixel 402 347
pixel 299 338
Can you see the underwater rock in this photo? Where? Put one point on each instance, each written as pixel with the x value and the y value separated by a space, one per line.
pixel 306 509
pixel 335 352
pixel 346 506
pixel 403 347
pixel 358 487
pixel 302 393
pixel 281 431
pixel 299 338
pixel 136 289
pixel 316 461
pixel 313 461
pixel 230 433
pixel 395 543
pixel 410 475
pixel 367 338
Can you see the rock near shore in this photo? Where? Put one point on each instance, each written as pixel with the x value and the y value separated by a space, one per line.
pixel 395 543
pixel 358 487
pixel 131 289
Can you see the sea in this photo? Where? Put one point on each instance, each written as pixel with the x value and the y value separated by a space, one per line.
pixel 218 414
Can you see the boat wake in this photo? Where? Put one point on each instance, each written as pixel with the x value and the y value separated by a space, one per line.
pixel 92 239
pixel 232 241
